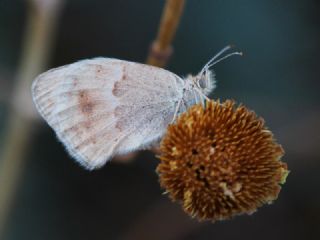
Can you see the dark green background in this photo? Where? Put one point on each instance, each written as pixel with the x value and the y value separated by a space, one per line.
pixel 278 78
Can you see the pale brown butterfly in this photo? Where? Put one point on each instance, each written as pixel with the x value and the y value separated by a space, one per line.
pixel 103 106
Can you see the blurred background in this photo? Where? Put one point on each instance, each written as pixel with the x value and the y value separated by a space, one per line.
pixel 54 198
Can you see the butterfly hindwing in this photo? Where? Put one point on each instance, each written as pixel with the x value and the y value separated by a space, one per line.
pixel 102 107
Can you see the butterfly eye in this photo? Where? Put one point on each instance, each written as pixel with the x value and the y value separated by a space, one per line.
pixel 202 82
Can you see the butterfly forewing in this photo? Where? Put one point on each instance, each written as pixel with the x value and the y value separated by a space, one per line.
pixel 102 107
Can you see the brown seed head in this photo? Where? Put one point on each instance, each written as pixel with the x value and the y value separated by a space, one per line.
pixel 220 161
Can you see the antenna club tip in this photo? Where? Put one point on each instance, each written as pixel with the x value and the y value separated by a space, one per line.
pixel 241 54
pixel 231 45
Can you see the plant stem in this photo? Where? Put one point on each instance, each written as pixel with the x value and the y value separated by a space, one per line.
pixel 161 48
pixel 42 18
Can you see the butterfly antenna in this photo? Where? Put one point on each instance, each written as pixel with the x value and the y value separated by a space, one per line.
pixel 215 57
pixel 225 57
pixel 213 60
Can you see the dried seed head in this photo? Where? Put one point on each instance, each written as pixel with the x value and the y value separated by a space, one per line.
pixel 220 161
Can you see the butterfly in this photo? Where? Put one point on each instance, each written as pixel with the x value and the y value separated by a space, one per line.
pixel 102 107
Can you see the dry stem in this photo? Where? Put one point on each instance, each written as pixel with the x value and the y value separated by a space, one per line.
pixel 161 48
pixel 42 17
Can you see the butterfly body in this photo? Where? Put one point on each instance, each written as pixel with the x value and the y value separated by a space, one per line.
pixel 103 107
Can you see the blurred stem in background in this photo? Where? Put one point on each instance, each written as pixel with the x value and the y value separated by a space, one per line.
pixel 42 17
pixel 161 49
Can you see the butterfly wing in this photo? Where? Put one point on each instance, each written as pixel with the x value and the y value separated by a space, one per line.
pixel 148 98
pixel 102 107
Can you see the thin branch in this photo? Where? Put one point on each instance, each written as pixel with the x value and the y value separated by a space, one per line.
pixel 42 18
pixel 161 48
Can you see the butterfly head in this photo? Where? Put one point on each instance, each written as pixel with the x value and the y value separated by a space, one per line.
pixel 205 80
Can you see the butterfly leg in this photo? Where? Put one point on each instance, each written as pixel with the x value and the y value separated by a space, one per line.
pixel 202 96
pixel 176 111
pixel 184 104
